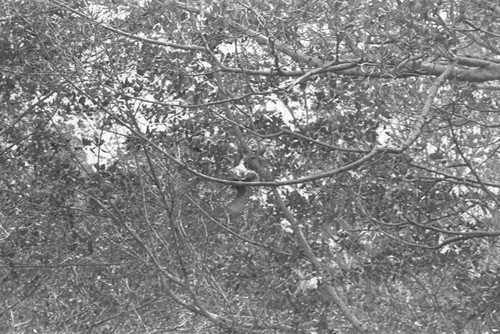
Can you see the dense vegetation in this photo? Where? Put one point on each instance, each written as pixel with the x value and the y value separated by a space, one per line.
pixel 361 136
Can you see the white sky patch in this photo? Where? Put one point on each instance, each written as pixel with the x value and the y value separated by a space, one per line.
pixel 274 104
pixel 251 48
pixel 286 226
pixel 382 136
pixel 107 13
pixel 431 148
pixel 112 139
pixel 227 48
pixel 81 126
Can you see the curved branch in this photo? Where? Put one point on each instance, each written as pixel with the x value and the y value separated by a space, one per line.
pixel 461 236
pixel 301 239
pixel 483 70
pixel 463 180
pixel 424 115
pixel 129 35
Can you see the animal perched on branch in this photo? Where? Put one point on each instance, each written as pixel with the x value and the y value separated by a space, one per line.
pixel 243 193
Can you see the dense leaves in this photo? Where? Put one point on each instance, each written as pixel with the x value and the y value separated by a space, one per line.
pixel 128 125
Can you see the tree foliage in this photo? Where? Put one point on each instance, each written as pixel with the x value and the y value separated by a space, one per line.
pixel 361 136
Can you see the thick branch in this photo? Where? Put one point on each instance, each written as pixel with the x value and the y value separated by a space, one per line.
pixel 128 35
pixel 424 115
pixel 301 239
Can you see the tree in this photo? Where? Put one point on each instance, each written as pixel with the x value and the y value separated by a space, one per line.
pixel 361 137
